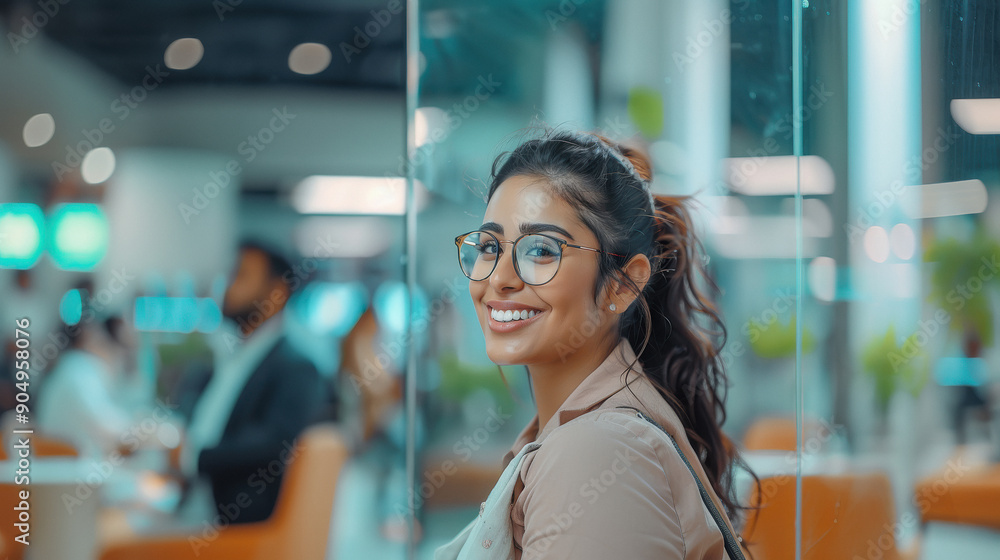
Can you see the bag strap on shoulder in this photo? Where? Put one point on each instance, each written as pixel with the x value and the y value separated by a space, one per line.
pixel 732 544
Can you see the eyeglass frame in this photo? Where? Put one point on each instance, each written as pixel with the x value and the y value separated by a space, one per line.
pixel 517 269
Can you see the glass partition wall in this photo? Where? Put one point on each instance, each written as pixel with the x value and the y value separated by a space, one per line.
pixel 706 91
pixel 839 156
pixel 901 301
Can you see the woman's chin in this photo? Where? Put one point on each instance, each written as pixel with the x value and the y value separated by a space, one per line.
pixel 505 357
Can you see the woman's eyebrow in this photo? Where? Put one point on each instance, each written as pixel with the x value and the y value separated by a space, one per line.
pixel 538 228
pixel 492 226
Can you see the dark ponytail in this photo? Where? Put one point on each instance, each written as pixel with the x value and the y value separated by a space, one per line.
pixel 673 325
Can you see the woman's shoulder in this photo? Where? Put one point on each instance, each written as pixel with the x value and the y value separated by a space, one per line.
pixel 608 425
pixel 601 480
pixel 601 439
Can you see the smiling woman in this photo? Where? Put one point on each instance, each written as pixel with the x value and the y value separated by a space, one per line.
pixel 582 275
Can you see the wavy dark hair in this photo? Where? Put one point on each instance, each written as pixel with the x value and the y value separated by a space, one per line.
pixel 674 327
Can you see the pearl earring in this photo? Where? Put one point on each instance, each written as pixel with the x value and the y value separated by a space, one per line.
pixel 612 307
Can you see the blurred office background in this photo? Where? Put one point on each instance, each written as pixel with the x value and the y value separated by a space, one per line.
pixel 842 156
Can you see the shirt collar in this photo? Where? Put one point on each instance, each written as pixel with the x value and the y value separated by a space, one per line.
pixel 596 388
pixel 269 331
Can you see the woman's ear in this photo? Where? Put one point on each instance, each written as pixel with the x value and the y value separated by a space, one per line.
pixel 621 294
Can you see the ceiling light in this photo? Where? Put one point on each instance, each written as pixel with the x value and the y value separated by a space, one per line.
pixel 309 58
pixel 779 175
pixel 183 54
pixel 39 130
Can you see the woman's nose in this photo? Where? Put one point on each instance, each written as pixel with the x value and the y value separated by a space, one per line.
pixel 504 277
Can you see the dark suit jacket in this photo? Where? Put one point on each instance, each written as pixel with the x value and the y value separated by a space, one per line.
pixel 281 397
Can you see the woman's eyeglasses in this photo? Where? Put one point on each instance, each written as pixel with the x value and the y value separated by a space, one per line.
pixel 536 255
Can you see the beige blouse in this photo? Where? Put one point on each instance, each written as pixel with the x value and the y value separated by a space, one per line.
pixel 607 484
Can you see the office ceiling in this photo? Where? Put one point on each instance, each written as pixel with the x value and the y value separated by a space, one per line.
pixel 246 41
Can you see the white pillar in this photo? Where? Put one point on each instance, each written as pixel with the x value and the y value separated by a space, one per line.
pixel 884 139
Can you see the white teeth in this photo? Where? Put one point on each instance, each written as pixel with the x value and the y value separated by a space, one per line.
pixel 511 315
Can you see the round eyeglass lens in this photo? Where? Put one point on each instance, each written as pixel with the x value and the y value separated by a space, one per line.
pixel 537 258
pixel 477 254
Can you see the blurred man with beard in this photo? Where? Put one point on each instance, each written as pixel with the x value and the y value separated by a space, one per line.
pixel 260 398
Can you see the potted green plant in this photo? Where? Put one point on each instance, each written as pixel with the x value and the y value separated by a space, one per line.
pixel 962 274
pixel 893 365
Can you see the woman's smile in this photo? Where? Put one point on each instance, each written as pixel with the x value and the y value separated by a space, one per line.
pixel 507 316
pixel 528 324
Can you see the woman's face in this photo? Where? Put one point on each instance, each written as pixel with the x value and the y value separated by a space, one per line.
pixel 566 316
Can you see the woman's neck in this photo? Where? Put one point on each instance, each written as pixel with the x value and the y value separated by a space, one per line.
pixel 552 383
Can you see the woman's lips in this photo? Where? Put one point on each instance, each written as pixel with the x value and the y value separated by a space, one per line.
pixel 509 326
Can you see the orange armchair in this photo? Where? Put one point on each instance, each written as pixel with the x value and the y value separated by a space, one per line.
pixel 298 528
pixel 968 496
pixel 777 433
pixel 848 516
pixel 771 434
pixel 44 446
